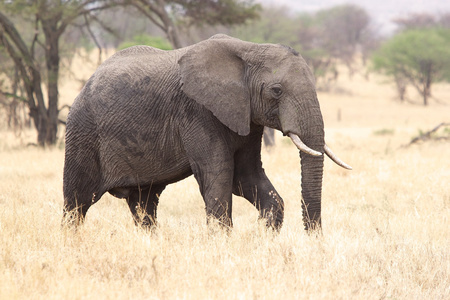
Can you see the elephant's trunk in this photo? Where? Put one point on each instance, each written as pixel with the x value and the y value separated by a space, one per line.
pixel 307 132
pixel 308 136
pixel 301 119
pixel 312 172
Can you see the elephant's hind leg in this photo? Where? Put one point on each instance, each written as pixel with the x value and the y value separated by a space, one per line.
pixel 81 187
pixel 143 204
pixel 76 206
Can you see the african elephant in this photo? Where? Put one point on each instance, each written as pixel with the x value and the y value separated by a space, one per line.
pixel 148 118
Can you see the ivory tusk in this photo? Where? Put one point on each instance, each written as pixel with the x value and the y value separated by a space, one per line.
pixel 301 146
pixel 336 159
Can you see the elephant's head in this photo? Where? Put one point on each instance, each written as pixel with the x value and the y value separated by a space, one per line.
pixel 271 85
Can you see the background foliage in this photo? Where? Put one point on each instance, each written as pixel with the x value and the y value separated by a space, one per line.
pixel 419 57
pixel 343 35
pixel 143 39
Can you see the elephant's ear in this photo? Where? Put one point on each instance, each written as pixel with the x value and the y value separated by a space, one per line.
pixel 212 73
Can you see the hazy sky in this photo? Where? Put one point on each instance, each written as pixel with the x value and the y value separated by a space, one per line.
pixel 381 11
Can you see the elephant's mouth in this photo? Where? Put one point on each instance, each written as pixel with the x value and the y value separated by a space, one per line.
pixel 303 147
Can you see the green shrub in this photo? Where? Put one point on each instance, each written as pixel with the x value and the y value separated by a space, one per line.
pixel 144 39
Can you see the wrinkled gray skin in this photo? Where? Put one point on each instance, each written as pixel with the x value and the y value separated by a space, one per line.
pixel 148 118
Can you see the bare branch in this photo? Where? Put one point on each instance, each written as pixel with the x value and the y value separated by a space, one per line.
pixel 99 47
pixel 149 15
pixel 14 96
pixel 81 11
pixel 33 82
pixel 22 69
pixel 36 34
pixel 65 106
pixel 104 25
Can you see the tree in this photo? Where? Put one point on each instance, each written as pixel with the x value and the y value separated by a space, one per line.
pixel 51 18
pixel 344 31
pixel 419 56
pixel 169 15
pixel 324 38
pixel 275 25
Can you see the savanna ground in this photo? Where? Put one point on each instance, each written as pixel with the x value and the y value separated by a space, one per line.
pixel 386 223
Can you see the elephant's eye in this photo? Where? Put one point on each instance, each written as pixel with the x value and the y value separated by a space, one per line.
pixel 277 91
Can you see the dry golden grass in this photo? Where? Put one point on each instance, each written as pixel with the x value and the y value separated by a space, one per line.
pixel 386 223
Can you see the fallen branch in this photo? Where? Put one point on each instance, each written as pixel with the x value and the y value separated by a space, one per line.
pixel 426 136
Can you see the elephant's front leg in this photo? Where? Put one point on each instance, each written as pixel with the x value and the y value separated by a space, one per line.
pixel 216 188
pixel 259 191
pixel 214 175
pixel 212 164
pixel 251 182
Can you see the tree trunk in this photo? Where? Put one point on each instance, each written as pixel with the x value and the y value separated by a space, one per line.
pixel 170 28
pixel 47 135
pixel 427 71
pixel 426 90
pixel 401 87
pixel 174 36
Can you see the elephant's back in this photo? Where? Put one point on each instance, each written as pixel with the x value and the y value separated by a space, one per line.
pixel 141 56
pixel 134 85
pixel 134 74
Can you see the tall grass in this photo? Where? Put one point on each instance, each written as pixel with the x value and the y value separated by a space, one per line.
pixel 386 235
